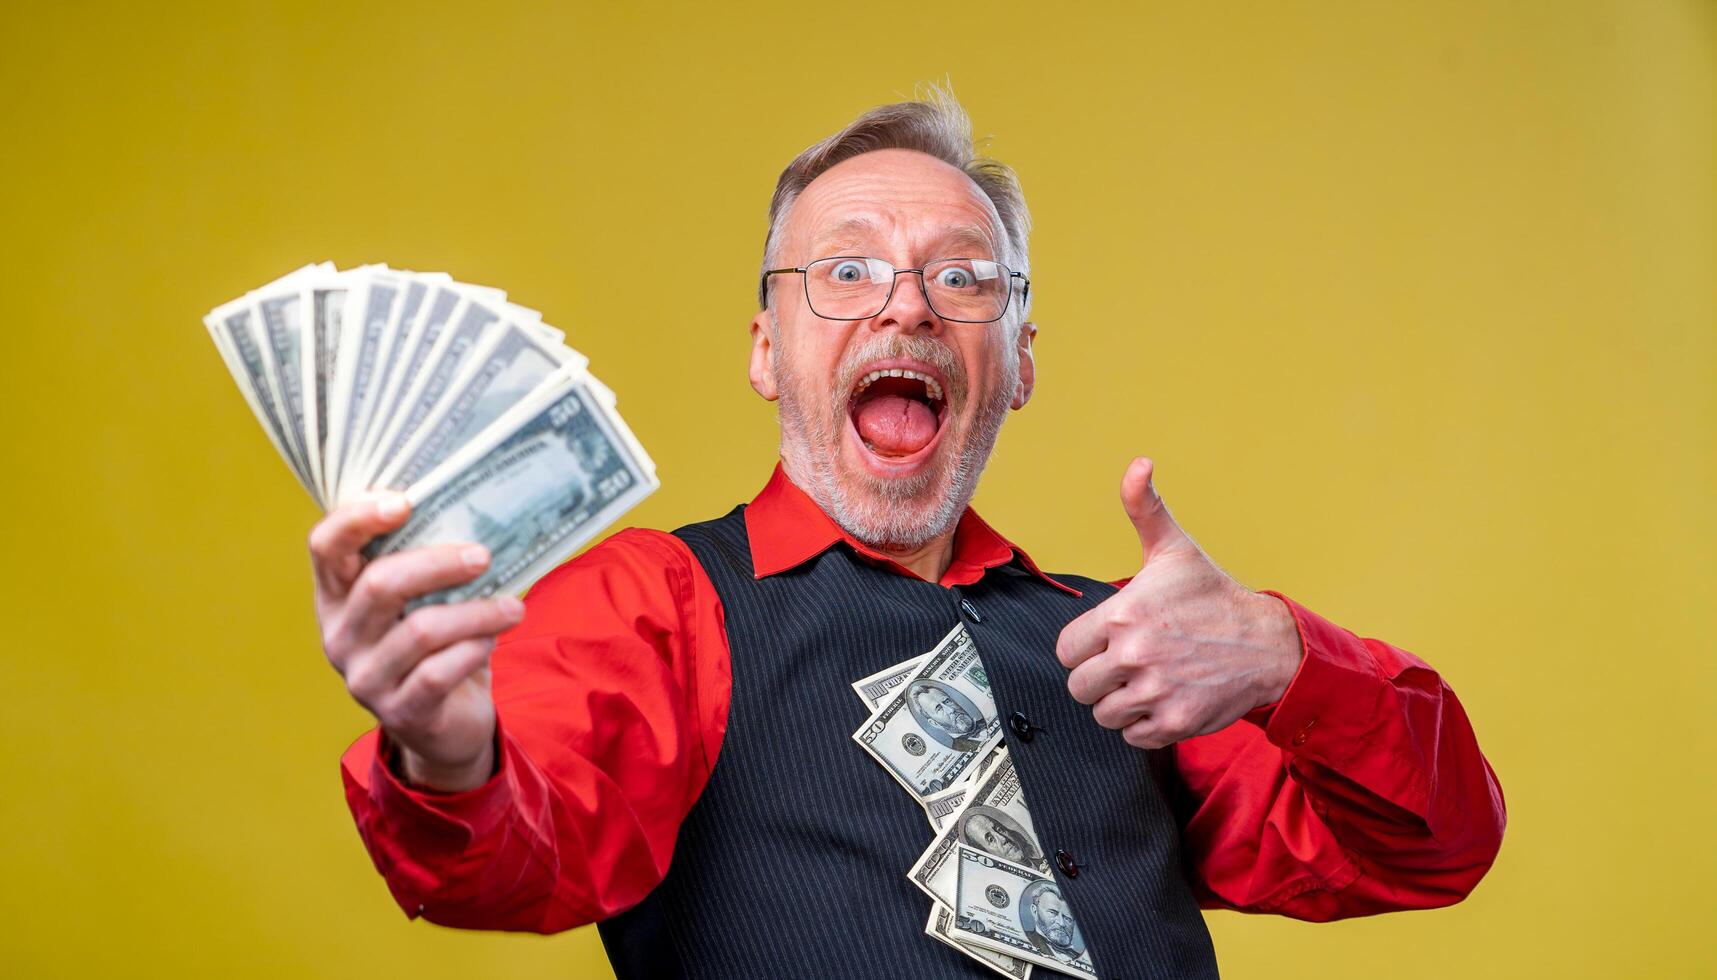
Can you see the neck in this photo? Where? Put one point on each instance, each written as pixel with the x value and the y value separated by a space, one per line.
pixel 928 561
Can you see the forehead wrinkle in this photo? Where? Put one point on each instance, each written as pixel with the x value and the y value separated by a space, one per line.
pixel 909 182
pixel 860 232
pixel 971 235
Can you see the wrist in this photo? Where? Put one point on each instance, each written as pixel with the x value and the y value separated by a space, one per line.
pixel 422 774
pixel 1277 636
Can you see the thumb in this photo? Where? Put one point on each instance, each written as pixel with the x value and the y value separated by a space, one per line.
pixel 1145 508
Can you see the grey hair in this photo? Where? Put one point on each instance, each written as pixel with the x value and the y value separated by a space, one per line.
pixel 936 124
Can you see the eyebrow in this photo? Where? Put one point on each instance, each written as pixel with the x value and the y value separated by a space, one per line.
pixel 852 233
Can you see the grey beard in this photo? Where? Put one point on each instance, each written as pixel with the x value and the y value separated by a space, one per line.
pixel 892 514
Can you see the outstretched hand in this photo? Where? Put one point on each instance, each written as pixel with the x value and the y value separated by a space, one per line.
pixel 423 674
pixel 1182 649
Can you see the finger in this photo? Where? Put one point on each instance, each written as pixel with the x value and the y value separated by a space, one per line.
pixel 435 676
pixel 1084 638
pixel 1156 528
pixel 373 675
pixel 1126 705
pixel 338 538
pixel 1145 734
pixel 1163 726
pixel 1092 680
pixel 388 583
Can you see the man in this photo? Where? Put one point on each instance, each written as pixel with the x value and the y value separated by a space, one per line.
pixel 939 712
pixel 663 745
pixel 994 831
pixel 1044 916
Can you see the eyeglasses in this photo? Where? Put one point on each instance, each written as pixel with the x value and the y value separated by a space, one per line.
pixel 854 287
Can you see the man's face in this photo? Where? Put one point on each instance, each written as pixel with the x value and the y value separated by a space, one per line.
pixel 991 836
pixel 944 712
pixel 893 463
pixel 1053 922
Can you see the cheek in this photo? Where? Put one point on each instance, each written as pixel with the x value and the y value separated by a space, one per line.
pixel 816 354
pixel 985 368
pixel 811 365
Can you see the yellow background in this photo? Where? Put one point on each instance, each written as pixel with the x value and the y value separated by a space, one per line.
pixel 1413 303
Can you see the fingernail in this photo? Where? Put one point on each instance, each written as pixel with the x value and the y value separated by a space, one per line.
pixel 475 556
pixel 511 606
pixel 391 506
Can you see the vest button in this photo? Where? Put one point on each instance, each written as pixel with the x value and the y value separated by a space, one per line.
pixel 1022 726
pixel 970 610
pixel 1065 862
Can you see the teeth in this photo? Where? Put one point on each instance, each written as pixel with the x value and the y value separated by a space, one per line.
pixel 930 385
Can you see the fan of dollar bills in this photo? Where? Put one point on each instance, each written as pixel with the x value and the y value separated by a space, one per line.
pixel 379 378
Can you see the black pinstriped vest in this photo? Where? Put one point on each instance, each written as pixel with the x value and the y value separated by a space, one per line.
pixel 793 862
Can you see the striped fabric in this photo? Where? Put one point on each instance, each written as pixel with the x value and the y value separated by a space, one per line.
pixel 793 862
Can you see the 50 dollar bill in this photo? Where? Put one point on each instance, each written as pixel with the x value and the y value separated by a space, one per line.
pixel 939 724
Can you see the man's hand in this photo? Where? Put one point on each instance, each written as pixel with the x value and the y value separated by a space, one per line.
pixel 1182 649
pixel 424 676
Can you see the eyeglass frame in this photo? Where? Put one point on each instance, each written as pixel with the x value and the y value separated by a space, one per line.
pixel 923 287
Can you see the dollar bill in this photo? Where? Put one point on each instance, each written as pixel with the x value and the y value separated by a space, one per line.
pixel 474 318
pixel 1012 909
pixel 278 311
pixel 876 688
pixel 327 316
pixel 369 308
pixel 215 321
pixel 420 335
pixel 239 340
pixel 939 724
pixel 606 396
pixel 941 806
pixel 992 818
pixel 545 479
pixel 941 927
pixel 510 364
pixel 394 339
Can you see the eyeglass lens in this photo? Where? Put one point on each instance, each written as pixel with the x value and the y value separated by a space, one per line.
pixel 855 288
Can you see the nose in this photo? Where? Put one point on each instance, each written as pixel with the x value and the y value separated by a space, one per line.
pixel 908 308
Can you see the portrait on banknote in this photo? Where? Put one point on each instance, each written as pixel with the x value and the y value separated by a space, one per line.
pixel 1044 916
pixel 945 714
pixel 989 829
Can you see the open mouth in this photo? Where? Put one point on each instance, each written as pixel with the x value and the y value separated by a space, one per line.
pixel 897 413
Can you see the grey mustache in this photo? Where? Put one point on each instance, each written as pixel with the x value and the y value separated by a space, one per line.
pixel 938 356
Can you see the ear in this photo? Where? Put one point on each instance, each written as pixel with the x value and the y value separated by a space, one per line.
pixel 1027 365
pixel 762 373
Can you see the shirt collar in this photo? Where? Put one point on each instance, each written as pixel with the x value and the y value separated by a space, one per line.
pixel 786 528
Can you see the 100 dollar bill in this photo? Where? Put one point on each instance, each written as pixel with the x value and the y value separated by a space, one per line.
pixel 992 818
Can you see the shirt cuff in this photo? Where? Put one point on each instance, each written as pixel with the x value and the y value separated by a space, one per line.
pixel 428 821
pixel 1327 710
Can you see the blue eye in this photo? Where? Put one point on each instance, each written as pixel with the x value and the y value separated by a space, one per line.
pixel 954 277
pixel 850 270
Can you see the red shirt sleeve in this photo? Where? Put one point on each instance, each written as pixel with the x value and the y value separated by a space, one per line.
pixel 611 697
pixel 1362 790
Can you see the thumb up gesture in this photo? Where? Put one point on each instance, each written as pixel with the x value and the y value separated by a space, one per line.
pixel 1182 649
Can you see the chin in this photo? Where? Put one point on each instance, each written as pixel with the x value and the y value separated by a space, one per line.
pixel 894 495
pixel 896 505
pixel 896 512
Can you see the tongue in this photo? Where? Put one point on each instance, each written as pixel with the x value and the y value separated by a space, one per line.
pixel 895 425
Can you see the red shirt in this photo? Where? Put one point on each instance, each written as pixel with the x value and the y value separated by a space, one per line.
pixel 1362 790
